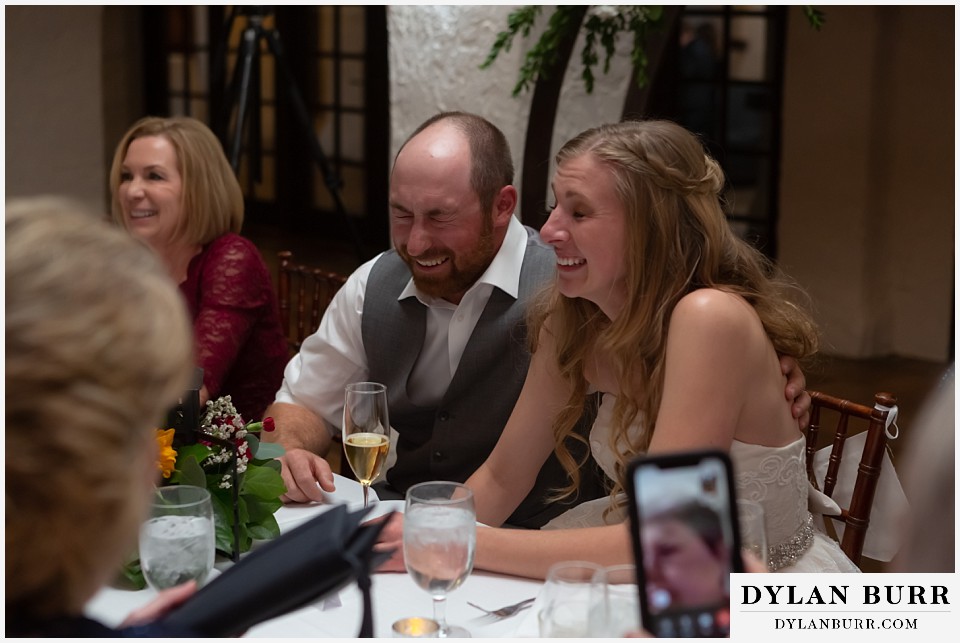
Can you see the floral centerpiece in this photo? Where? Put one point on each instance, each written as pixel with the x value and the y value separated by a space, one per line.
pixel 207 463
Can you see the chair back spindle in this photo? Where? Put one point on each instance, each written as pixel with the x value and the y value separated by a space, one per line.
pixel 855 516
pixel 304 293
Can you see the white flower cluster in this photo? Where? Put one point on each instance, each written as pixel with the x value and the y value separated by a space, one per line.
pixel 222 420
pixel 607 11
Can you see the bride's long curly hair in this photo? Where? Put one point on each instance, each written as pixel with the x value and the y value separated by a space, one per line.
pixel 677 241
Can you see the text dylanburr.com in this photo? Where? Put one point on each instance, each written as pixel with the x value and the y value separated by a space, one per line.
pixel 862 607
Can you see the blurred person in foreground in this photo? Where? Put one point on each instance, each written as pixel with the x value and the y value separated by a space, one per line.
pixel 173 188
pixel 98 347
pixel 929 480
pixel 441 321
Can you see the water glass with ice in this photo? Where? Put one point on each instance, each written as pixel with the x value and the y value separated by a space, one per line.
pixel 177 541
pixel 439 542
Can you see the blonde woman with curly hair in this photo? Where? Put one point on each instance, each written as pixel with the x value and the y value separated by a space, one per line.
pixel 98 347
pixel 679 323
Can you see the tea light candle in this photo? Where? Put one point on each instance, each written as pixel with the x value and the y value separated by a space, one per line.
pixel 416 627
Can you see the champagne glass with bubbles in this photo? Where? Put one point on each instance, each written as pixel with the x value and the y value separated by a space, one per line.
pixel 366 426
pixel 439 541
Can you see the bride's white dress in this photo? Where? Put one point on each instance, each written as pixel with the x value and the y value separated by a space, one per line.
pixel 773 476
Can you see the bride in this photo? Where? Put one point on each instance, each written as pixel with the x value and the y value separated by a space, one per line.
pixel 658 305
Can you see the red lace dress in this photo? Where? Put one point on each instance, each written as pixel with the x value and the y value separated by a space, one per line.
pixel 241 345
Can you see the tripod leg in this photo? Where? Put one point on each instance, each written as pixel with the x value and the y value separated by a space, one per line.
pixel 245 67
pixel 330 179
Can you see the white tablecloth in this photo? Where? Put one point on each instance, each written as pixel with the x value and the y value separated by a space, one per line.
pixel 394 596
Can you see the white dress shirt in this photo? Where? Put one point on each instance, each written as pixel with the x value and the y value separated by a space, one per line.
pixel 334 355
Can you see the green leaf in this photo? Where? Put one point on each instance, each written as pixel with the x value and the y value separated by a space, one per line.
pixel 189 472
pixel 263 482
pixel 253 443
pixel 131 574
pixel 269 450
pixel 271 464
pixel 815 17
pixel 264 530
pixel 259 509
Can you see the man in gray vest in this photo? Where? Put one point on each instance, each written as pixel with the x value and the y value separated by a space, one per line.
pixel 439 320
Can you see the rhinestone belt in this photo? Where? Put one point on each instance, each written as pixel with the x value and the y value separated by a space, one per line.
pixel 789 551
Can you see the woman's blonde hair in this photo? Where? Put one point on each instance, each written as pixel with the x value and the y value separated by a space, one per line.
pixel 98 347
pixel 677 241
pixel 211 199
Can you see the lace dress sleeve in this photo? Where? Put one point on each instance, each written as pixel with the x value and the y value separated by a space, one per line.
pixel 234 289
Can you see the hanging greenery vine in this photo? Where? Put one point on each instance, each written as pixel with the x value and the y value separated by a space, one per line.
pixel 602 26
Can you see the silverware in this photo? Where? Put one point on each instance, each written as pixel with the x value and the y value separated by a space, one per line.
pixel 506 611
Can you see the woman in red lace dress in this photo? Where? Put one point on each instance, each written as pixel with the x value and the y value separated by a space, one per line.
pixel 173 188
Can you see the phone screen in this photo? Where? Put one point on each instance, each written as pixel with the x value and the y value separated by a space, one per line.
pixel 686 542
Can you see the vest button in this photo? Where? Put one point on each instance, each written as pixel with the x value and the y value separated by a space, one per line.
pixel 438 455
pixel 444 416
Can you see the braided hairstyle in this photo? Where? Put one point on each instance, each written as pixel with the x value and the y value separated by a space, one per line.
pixel 677 241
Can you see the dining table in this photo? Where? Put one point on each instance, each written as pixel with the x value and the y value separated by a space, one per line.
pixel 394 596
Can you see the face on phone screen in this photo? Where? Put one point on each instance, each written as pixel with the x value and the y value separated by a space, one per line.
pixel 686 545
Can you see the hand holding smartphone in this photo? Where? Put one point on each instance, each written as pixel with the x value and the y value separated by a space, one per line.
pixel 686 541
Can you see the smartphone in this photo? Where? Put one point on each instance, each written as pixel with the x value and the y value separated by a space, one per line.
pixel 686 542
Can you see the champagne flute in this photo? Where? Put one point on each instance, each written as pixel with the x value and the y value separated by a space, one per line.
pixel 366 426
pixel 439 541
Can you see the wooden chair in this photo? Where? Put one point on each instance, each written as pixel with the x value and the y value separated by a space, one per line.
pixel 304 293
pixel 856 516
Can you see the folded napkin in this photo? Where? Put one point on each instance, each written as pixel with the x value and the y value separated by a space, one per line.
pixel 306 564
pixel 890 504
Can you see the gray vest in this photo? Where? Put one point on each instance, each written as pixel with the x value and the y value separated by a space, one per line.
pixel 450 441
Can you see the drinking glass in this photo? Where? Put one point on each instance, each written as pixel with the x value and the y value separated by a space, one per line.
pixel 753 529
pixel 439 541
pixel 615 606
pixel 177 541
pixel 366 431
pixel 568 595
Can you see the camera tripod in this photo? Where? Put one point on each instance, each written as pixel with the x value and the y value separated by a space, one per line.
pixel 242 92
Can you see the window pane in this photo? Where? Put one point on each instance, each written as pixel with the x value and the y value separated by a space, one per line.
pixel 325 81
pixel 175 70
pixel 199 109
pixel 199 72
pixel 749 117
pixel 352 35
pixel 268 81
pixel 351 83
pixel 354 191
pixel 323 124
pixel 268 125
pixel 748 51
pixel 325 27
pixel 266 189
pixel 200 28
pixel 351 137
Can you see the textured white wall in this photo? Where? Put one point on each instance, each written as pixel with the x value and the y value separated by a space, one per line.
pixel 435 54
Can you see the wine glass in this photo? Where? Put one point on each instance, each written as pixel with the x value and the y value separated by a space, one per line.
pixel 366 426
pixel 568 598
pixel 439 541
pixel 177 542
pixel 615 604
